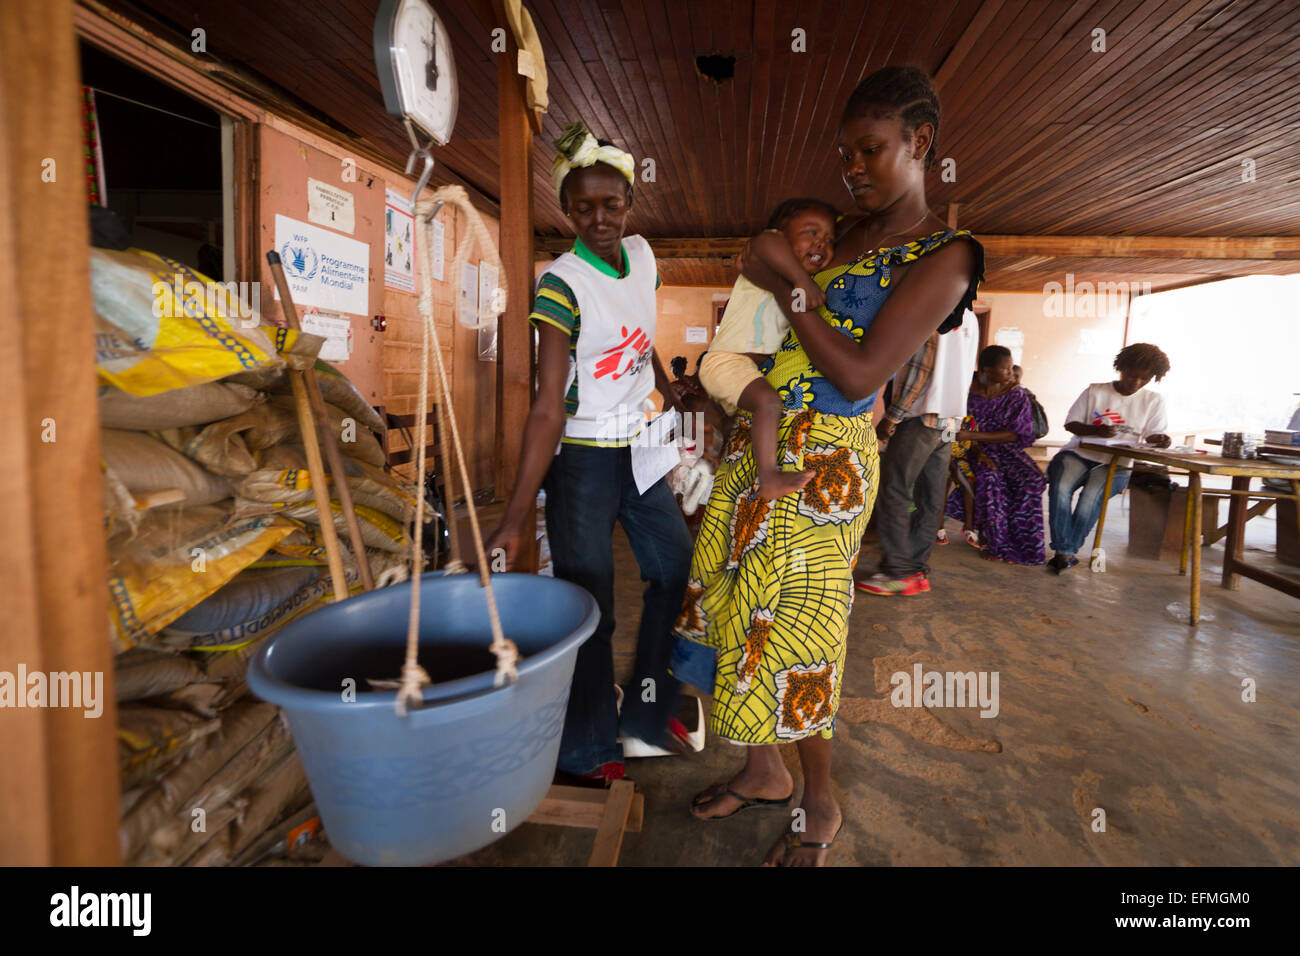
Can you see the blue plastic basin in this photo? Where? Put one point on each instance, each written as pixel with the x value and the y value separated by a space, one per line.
pixel 471 764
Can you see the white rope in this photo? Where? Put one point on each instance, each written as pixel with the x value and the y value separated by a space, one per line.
pixel 414 677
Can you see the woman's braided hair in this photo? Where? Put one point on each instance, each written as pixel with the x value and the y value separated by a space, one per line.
pixel 903 91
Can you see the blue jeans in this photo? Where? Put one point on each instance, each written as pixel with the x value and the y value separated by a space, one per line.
pixel 1066 474
pixel 587 490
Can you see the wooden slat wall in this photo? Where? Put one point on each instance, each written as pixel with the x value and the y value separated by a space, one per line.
pixel 1049 137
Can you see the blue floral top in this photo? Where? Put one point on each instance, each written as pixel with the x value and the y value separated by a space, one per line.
pixel 854 294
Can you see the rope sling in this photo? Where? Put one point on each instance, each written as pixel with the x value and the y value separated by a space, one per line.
pixel 414 677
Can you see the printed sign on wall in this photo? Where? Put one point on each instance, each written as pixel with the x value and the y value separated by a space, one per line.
pixel 330 206
pixel 399 242
pixel 322 267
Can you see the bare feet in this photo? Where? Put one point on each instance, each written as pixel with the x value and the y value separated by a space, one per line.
pixel 715 801
pixel 822 824
pixel 774 483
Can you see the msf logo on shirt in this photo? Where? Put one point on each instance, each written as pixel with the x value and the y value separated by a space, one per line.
pixel 630 355
pixel 1111 418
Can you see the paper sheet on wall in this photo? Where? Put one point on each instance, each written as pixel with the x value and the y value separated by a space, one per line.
pixel 331 206
pixel 697 333
pixel 655 451
pixel 439 242
pixel 337 331
pixel 1011 338
pixel 399 242
pixel 487 290
pixel 469 295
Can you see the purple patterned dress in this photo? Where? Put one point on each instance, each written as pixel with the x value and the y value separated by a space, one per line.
pixel 1008 498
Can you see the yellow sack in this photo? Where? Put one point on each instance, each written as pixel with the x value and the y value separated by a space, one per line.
pixel 284 477
pixel 150 340
pixel 176 560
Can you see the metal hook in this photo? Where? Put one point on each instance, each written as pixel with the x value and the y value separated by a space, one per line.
pixel 418 150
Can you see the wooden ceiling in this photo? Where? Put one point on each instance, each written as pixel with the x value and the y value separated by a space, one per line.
pixel 1049 137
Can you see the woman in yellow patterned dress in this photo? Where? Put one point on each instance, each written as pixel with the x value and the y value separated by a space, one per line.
pixel 771 583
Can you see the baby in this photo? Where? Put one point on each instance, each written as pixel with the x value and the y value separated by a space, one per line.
pixel 753 327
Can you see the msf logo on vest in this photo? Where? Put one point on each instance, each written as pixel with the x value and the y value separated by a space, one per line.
pixel 628 357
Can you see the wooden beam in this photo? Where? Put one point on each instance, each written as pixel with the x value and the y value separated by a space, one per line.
pixel 1145 247
pixel 1262 248
pixel 514 334
pixel 56 608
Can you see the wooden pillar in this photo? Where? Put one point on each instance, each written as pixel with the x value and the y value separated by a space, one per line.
pixel 59 798
pixel 514 335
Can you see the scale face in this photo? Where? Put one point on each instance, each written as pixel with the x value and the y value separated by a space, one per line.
pixel 416 71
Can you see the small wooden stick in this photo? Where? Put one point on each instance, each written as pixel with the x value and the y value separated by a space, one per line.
pixel 315 466
pixel 316 403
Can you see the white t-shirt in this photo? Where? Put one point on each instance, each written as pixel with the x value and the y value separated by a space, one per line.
pixel 1134 417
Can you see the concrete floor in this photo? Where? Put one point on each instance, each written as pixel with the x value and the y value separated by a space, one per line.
pixel 1107 699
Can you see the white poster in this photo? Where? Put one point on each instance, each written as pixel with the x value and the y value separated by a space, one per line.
pixel 322 267
pixel 330 206
pixel 487 290
pixel 439 239
pixel 697 333
pixel 1011 338
pixel 336 330
pixel 399 242
pixel 469 295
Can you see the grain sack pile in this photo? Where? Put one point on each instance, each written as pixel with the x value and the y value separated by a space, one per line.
pixel 214 544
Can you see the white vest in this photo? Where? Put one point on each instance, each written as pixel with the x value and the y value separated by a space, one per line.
pixel 954 363
pixel 612 362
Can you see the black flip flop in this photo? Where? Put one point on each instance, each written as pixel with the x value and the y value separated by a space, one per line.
pixel 746 803
pixel 792 842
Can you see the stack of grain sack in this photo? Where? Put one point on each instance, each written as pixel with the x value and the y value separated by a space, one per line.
pixel 214 544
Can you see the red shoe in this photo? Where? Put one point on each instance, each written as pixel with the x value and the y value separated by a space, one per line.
pixel 886 586
pixel 607 773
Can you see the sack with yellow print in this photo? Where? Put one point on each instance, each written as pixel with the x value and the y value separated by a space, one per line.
pixel 159 325
pixel 177 559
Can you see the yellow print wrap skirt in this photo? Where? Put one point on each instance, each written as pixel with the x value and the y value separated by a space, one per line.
pixel 771 582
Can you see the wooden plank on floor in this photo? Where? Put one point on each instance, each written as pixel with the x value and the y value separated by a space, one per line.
pixel 583 807
pixel 609 836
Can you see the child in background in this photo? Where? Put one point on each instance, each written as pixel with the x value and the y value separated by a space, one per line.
pixel 753 327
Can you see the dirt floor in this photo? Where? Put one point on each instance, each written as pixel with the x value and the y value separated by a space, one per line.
pixel 1107 699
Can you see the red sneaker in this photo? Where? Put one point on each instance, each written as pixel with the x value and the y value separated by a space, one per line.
pixel 607 773
pixel 886 586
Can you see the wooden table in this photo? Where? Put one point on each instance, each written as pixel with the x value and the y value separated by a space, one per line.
pixel 1196 464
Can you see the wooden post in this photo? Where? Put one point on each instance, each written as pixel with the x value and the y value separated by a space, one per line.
pixel 514 335
pixel 1194 489
pixel 59 799
pixel 1236 532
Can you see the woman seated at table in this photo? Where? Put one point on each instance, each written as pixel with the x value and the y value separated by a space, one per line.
pixel 1008 485
pixel 1118 409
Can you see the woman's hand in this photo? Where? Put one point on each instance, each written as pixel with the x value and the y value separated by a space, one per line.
pixel 506 539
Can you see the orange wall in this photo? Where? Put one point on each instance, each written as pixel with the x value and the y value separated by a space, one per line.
pixel 1061 355
pixel 680 307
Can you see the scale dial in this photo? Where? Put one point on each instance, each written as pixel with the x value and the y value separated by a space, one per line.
pixel 416 70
